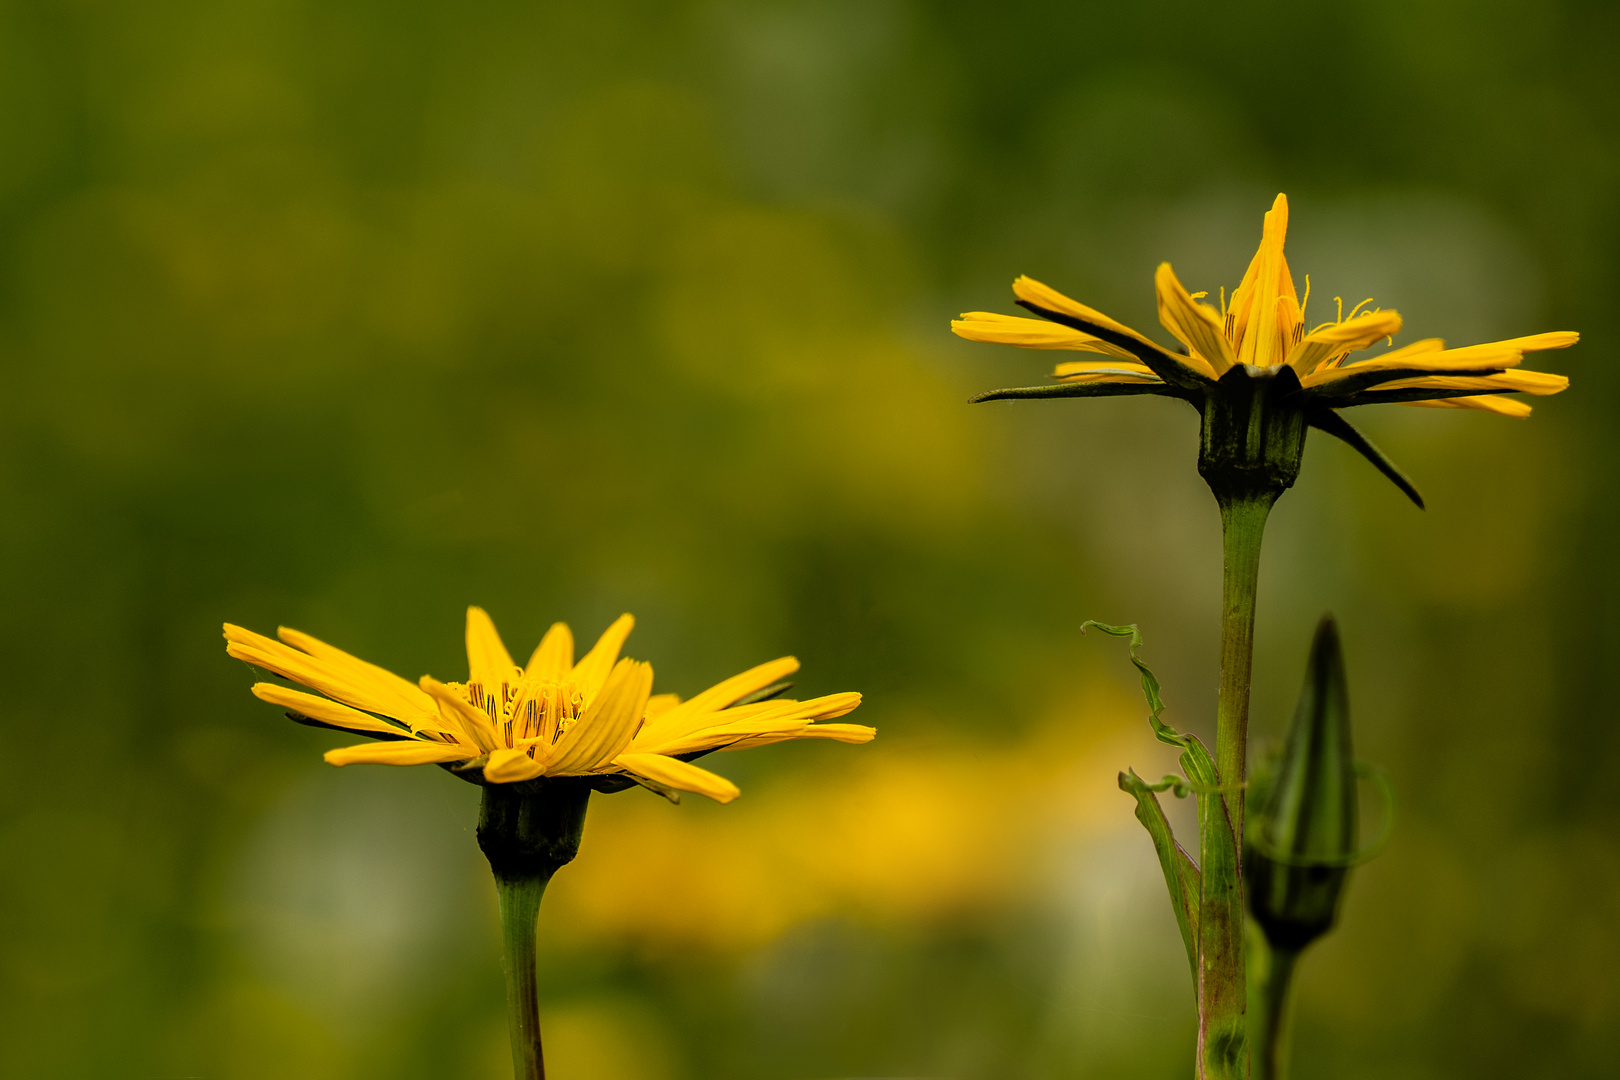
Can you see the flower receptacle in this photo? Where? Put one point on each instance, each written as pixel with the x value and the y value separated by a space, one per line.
pixel 531 829
pixel 1253 434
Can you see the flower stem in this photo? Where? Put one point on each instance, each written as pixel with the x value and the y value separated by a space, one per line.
pixel 1223 1050
pixel 1271 1024
pixel 528 831
pixel 1243 525
pixel 520 911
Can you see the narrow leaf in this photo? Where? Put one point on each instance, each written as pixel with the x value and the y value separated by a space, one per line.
pixel 1217 919
pixel 1181 875
pixel 1412 393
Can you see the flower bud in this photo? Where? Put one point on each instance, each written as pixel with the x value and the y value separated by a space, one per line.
pixel 1301 843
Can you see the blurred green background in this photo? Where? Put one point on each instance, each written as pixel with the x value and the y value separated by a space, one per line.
pixel 346 315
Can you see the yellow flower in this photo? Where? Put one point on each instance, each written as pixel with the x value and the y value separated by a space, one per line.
pixel 1260 332
pixel 595 718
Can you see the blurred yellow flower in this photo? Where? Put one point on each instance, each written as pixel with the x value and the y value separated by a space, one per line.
pixel 1263 326
pixel 883 844
pixel 555 717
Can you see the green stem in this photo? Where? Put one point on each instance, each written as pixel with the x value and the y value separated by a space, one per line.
pixel 1243 526
pixel 528 831
pixel 1271 1025
pixel 1223 1049
pixel 520 911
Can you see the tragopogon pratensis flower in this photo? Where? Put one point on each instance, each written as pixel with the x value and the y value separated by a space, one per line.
pixel 596 718
pixel 1256 355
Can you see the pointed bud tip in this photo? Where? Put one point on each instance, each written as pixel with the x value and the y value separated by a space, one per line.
pixel 1327 633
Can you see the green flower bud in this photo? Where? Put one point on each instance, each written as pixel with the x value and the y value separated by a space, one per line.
pixel 1302 842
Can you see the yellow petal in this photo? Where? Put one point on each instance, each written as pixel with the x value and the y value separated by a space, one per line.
pixel 510 766
pixel 1554 339
pixel 1518 381
pixel 659 704
pixel 1030 334
pixel 677 725
pixel 384 680
pixel 830 705
pixel 674 722
pixel 1289 326
pixel 1042 295
pixel 336 681
pixel 1423 355
pixel 844 733
pixel 488 661
pixel 720 738
pixel 1485 403
pixel 755 678
pixel 758 733
pixel 678 774
pixel 1491 354
pixel 694 713
pixel 1104 371
pixel 554 656
pixel 593 668
pixel 1195 325
pixel 1254 303
pixel 397 753
pixel 457 713
pixel 608 723
pixel 1352 334
pixel 319 708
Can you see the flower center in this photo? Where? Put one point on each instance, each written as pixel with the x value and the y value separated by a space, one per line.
pixel 526 708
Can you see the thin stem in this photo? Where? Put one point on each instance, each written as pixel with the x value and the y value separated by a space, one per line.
pixel 1243 526
pixel 1272 1021
pixel 520 910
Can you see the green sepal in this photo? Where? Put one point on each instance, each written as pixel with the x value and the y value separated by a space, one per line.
pixel 1068 390
pixel 367 733
pixel 1356 381
pixel 1414 393
pixel 774 690
pixel 1170 370
pixel 1333 424
pixel 1181 874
